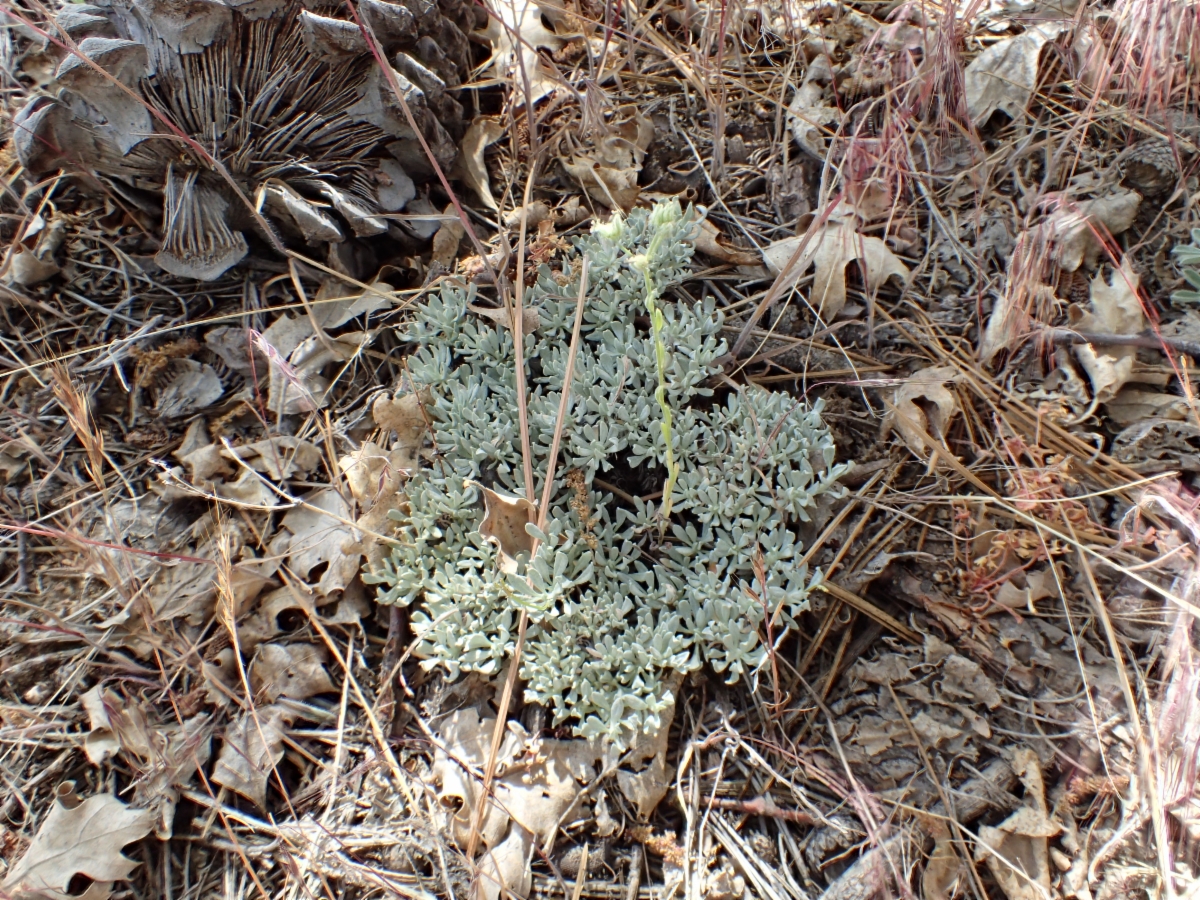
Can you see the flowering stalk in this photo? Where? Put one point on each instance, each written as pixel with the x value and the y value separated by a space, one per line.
pixel 663 215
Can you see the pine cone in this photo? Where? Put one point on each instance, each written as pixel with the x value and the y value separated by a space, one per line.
pixel 1149 167
pixel 290 100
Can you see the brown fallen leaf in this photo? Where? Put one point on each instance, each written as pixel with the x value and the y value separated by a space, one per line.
pixel 529 799
pixel 643 777
pixel 943 868
pixel 835 245
pixel 1038 586
pixel 289 670
pixel 1017 851
pixel 530 319
pixel 1131 406
pixel 447 238
pixel 516 33
pixel 709 240
pixel 480 135
pixel 314 534
pixel 402 415
pixel 1004 75
pixel 294 602
pixel 1076 229
pixel 374 478
pixel 810 114
pixel 336 304
pixel 189 386
pixel 608 170
pixel 164 757
pixel 917 422
pixel 279 458
pixel 504 521
pixel 1114 309
pixel 253 746
pixel 79 837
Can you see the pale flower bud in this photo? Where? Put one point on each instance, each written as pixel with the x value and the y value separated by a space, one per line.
pixel 612 229
pixel 665 213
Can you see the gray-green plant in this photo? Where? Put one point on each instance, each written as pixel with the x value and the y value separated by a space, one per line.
pixel 1189 259
pixel 620 596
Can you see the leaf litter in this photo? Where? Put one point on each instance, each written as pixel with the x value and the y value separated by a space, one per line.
pixel 188 573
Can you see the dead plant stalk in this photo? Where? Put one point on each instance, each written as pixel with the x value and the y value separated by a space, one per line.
pixel 547 493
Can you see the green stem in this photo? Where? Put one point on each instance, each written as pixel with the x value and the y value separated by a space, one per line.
pixel 658 326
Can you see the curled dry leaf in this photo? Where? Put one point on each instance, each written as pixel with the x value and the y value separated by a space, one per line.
pixel 1017 851
pixel 835 244
pixel 1132 406
pixel 710 240
pixel 943 868
pixel 1037 586
pixel 643 778
pixel 188 590
pixel 504 522
pixel 481 134
pixel 33 259
pixel 289 670
pixel 272 615
pixel 253 747
pixel 1115 309
pixel 964 678
pixel 191 386
pixel 164 757
pixel 608 170
pixel 447 238
pixel 79 837
pixel 1003 76
pixel 234 347
pixel 1076 229
pixel 337 303
pixel 203 458
pixel 101 742
pixel 809 115
pixel 922 407
pixel 374 478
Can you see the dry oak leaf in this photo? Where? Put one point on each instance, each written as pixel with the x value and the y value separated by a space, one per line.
pixel 192 386
pixel 289 670
pixel 79 837
pixel 916 422
pixel 834 245
pixel 538 783
pixel 1115 309
pixel 314 534
pixel 279 457
pixel 253 746
pixel 1003 76
pixel 504 521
